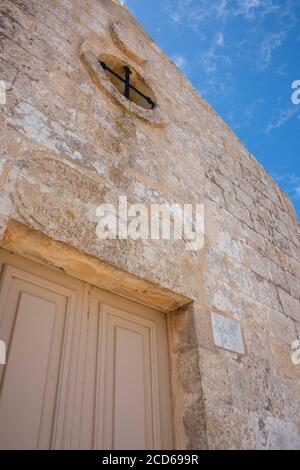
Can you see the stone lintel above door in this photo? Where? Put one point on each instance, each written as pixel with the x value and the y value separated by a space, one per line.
pixel 36 246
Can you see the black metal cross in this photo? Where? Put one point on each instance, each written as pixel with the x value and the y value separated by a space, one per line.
pixel 126 81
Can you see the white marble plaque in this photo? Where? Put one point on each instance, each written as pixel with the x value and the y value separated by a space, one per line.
pixel 227 333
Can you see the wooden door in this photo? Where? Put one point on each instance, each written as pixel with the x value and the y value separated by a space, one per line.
pixel 85 368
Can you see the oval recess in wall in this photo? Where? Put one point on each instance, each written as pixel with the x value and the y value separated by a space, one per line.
pixel 129 42
pixel 102 78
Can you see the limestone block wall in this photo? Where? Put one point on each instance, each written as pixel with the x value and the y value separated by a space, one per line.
pixel 68 144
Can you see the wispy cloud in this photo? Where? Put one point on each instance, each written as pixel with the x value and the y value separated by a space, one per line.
pixel 253 9
pixel 281 70
pixel 192 13
pixel 251 109
pixel 181 61
pixel 270 43
pixel 290 182
pixel 213 57
pixel 215 69
pixel 282 117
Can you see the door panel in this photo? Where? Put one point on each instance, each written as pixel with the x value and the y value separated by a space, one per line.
pixel 131 391
pixel 127 387
pixel 24 383
pixel 36 322
pixel 130 415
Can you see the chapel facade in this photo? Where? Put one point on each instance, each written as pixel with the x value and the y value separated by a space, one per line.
pixel 123 343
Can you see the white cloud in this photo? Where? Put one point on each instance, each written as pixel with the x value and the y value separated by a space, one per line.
pixel 290 182
pixel 281 70
pixel 271 42
pixel 253 9
pixel 252 107
pixel 219 39
pixel 216 68
pixel 181 62
pixel 192 13
pixel 283 117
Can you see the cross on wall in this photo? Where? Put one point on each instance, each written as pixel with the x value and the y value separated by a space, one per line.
pixel 127 85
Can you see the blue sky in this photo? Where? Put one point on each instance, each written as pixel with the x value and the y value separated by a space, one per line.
pixel 243 56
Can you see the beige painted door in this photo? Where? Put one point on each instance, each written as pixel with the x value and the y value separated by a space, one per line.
pixel 130 398
pixel 85 368
pixel 40 313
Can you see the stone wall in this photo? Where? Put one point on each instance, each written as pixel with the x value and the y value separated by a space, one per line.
pixel 69 144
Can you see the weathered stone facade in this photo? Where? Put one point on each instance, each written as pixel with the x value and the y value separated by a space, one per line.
pixel 68 143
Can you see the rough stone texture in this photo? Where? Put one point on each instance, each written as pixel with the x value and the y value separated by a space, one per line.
pixel 66 146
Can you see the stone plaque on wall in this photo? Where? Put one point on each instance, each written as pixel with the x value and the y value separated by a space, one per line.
pixel 227 334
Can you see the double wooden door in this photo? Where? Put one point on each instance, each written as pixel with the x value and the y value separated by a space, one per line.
pixel 85 369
